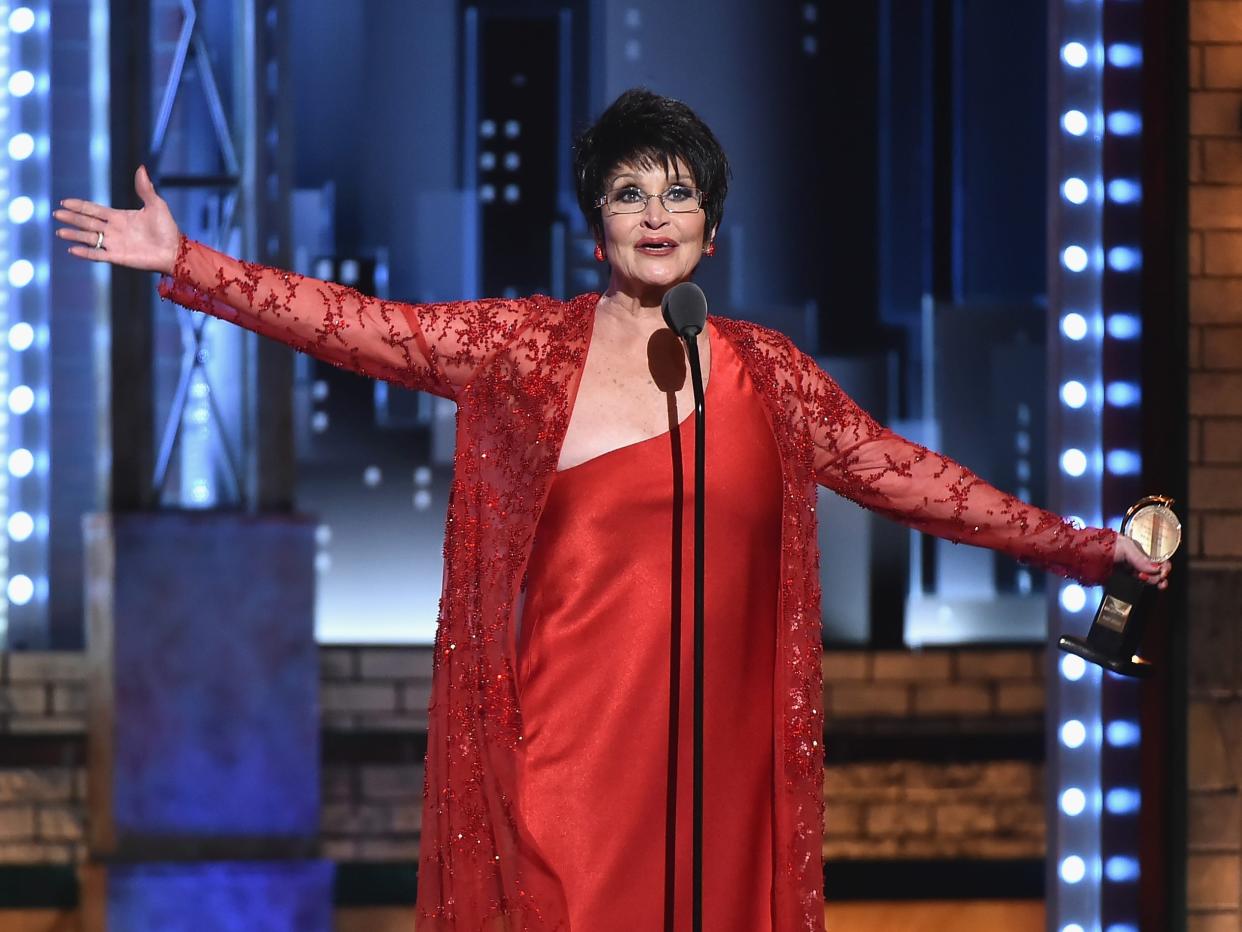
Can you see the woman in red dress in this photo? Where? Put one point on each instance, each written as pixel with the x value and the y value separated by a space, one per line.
pixel 557 791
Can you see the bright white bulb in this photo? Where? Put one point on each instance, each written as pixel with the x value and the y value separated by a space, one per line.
pixel 1075 122
pixel 1074 325
pixel 1074 258
pixel 1075 190
pixel 1124 123
pixel 1123 734
pixel 21 147
pixel 21 83
pixel 21 463
pixel 1073 667
pixel 1121 869
pixel 21 209
pixel 1073 801
pixel 1073 598
pixel 1073 927
pixel 1122 801
pixel 21 337
pixel 1073 733
pixel 1074 462
pixel 1124 258
pixel 1074 394
pixel 1123 191
pixel 21 399
pixel 1124 326
pixel 1074 54
pixel 1073 869
pixel 1121 55
pixel 21 525
pixel 21 273
pixel 22 19
pixel 20 590
pixel 1122 394
pixel 1123 462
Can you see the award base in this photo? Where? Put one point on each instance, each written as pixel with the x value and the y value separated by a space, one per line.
pixel 1116 635
pixel 1135 666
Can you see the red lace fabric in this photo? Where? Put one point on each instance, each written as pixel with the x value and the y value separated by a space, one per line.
pixel 513 367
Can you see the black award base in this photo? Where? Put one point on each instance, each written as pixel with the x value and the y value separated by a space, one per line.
pixel 1116 634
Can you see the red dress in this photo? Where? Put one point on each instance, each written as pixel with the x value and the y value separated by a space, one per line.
pixel 594 667
pixel 512 366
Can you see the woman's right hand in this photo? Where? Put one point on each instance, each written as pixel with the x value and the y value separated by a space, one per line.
pixel 147 238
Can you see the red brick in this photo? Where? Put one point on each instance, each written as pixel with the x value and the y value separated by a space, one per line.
pixel 1216 486
pixel 1215 21
pixel 1214 394
pixel 1213 821
pixel 1222 253
pixel 1215 113
pixel 1216 301
pixel 1212 880
pixel 1222 348
pixel 1194 75
pixel 884 819
pixel 1195 434
pixel 1020 699
pixel 843 820
pixel 1222 535
pixel 1194 253
pixel 1220 160
pixel 60 823
pixel 912 665
pixel 17 823
pixel 1229 921
pixel 1194 160
pixel 958 699
pixel 1207 761
pixel 1215 207
pixel 845 665
pixel 42 785
pixel 1222 66
pixel 865 700
pixel 1222 440
pixel 965 819
pixel 998 664
pixel 1194 348
pixel 25 852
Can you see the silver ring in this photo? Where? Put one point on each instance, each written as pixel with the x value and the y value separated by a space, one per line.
pixel 99 240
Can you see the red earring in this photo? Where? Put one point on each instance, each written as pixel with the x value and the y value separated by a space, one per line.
pixel 711 249
pixel 599 252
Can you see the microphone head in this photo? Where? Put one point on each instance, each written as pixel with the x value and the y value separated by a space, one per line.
pixel 685 309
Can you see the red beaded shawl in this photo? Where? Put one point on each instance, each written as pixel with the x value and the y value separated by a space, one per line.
pixel 513 368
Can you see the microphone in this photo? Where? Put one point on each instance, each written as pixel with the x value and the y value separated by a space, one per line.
pixel 685 309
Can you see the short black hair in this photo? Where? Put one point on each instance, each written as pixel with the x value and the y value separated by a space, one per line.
pixel 644 129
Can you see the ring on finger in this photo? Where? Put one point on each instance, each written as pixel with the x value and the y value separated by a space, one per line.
pixel 99 240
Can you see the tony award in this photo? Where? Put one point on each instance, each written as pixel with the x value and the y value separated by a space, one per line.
pixel 1117 632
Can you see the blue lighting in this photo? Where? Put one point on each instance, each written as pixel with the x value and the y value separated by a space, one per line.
pixel 1124 258
pixel 1124 326
pixel 21 83
pixel 21 525
pixel 21 146
pixel 1121 869
pixel 1075 54
pixel 1124 55
pixel 21 209
pixel 1074 326
pixel 22 19
pixel 1122 734
pixel 21 463
pixel 1122 800
pixel 1073 734
pixel 1074 394
pixel 1075 190
pixel 1074 258
pixel 1123 462
pixel 1074 462
pixel 1073 667
pixel 1124 191
pixel 1073 597
pixel 21 336
pixel 1073 927
pixel 1124 123
pixel 21 273
pixel 1073 801
pixel 1075 122
pixel 1122 394
pixel 21 399
pixel 20 589
pixel 1122 927
pixel 1073 869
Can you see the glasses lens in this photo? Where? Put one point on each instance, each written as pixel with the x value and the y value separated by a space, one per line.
pixel 626 201
pixel 681 199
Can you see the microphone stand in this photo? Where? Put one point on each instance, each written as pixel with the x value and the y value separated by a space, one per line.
pixel 689 336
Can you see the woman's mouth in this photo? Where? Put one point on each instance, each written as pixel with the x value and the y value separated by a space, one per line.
pixel 656 247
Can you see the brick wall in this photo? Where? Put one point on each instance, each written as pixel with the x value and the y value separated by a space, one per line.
pixel 372 807
pixel 1214 723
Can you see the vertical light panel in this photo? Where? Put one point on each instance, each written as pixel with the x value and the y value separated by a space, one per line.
pixel 24 261
pixel 1076 264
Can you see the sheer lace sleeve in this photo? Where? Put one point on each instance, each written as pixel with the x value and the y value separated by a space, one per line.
pixel 429 347
pixel 902 480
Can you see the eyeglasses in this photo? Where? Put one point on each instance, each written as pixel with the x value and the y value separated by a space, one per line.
pixel 678 199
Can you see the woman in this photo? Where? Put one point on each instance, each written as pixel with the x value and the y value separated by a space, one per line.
pixel 550 753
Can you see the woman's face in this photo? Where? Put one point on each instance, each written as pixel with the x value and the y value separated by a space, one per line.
pixel 654 249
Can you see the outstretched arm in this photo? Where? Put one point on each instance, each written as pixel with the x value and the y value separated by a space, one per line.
pixel 905 481
pixel 430 347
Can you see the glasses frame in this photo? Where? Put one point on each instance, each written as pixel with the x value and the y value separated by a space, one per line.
pixel 602 202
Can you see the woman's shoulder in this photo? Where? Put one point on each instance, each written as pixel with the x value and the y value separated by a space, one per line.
pixel 747 333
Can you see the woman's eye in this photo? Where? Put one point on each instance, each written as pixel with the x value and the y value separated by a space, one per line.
pixel 677 194
pixel 628 196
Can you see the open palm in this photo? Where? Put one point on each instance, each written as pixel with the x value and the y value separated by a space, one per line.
pixel 146 238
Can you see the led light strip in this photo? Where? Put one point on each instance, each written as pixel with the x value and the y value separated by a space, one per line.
pixel 24 259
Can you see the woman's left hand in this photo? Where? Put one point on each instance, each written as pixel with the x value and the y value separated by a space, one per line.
pixel 1130 554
